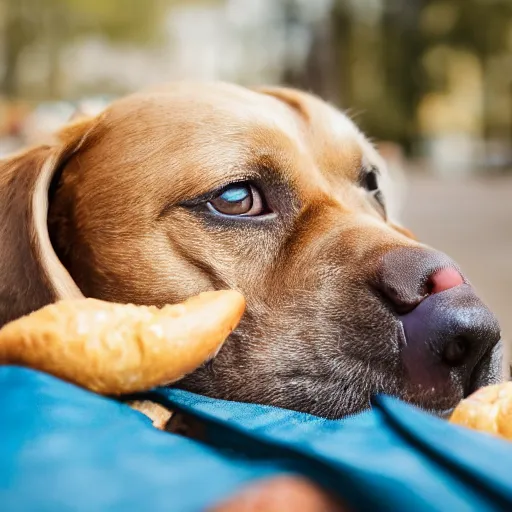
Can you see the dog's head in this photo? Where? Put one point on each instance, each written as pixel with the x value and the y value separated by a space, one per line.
pixel 272 192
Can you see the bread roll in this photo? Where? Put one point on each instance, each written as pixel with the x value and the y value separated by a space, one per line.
pixel 488 410
pixel 117 349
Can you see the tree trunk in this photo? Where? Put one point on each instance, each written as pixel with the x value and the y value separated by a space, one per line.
pixel 13 46
pixel 54 26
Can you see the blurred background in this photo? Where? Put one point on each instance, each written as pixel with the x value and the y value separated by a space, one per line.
pixel 430 81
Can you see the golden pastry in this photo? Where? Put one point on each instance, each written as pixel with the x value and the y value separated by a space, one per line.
pixel 117 349
pixel 488 410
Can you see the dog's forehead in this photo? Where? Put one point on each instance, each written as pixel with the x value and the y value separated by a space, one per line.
pixel 217 101
pixel 305 119
pixel 335 136
pixel 216 128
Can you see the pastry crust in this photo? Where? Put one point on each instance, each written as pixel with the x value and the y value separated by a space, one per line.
pixel 488 410
pixel 158 414
pixel 117 349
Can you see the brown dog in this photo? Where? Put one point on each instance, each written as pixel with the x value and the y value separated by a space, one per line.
pixel 193 187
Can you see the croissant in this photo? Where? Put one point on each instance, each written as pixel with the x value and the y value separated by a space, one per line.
pixel 488 410
pixel 117 349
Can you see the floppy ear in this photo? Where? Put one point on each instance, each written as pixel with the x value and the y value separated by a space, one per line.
pixel 31 274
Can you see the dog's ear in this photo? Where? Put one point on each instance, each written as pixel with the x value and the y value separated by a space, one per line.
pixel 31 274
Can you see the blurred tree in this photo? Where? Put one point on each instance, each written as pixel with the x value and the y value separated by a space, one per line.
pixel 368 55
pixel 366 58
pixel 17 32
pixel 404 75
pixel 55 23
pixel 478 26
pixel 413 27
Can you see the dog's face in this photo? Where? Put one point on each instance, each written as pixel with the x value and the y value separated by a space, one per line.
pixel 274 193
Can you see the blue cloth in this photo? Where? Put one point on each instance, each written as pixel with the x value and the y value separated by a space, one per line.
pixel 64 449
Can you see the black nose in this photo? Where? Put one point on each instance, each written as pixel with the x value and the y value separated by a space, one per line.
pixel 448 329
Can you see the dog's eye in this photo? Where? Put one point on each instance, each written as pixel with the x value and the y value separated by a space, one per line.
pixel 370 181
pixel 241 199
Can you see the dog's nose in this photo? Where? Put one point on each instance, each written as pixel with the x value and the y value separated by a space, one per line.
pixel 407 276
pixel 446 326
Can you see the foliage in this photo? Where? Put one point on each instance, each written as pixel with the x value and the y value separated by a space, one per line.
pixel 55 23
pixel 382 53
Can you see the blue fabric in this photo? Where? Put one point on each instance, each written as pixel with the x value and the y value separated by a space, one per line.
pixel 64 449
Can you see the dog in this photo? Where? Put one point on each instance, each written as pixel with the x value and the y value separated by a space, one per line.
pixel 191 187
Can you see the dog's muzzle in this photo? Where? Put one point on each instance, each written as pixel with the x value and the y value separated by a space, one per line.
pixel 450 338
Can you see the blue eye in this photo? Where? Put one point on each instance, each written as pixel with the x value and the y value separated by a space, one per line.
pixel 235 194
pixel 240 199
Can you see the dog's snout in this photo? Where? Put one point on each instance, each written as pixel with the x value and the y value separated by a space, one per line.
pixel 407 276
pixel 448 330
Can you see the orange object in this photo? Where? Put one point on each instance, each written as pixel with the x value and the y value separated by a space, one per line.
pixel 488 410
pixel 118 349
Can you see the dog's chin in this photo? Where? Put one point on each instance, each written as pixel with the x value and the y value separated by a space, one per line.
pixel 330 393
pixel 439 399
pixel 438 403
pixel 435 401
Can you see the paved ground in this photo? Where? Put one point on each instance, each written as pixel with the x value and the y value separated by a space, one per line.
pixel 472 222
